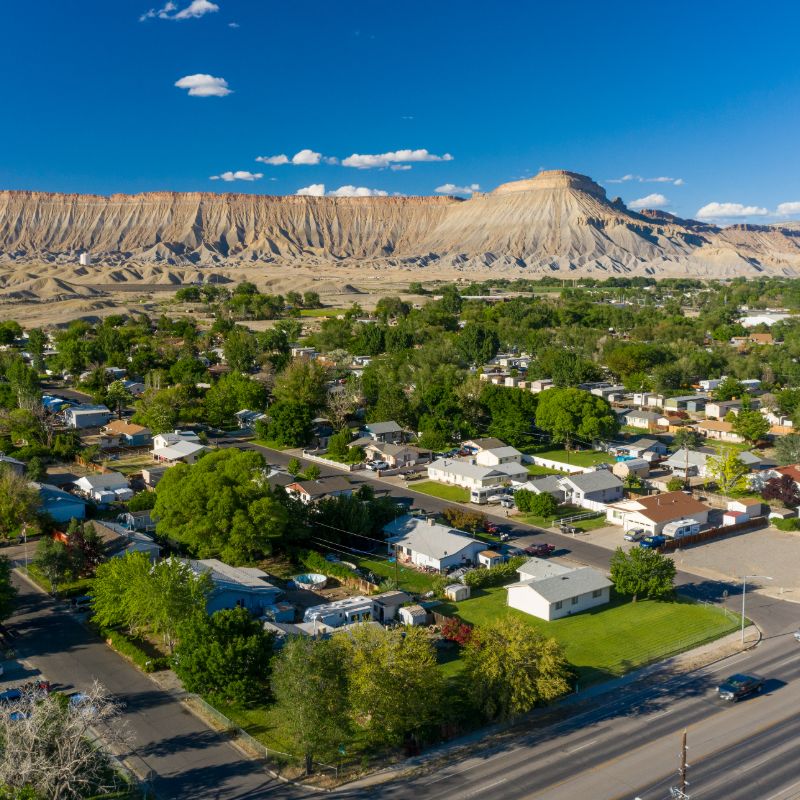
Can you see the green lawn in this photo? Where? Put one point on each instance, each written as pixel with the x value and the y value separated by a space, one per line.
pixel 455 494
pixel 535 469
pixel 408 579
pixel 272 445
pixel 74 588
pixel 574 458
pixel 613 639
pixel 322 312
pixel 565 511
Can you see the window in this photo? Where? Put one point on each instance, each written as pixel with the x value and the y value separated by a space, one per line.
pixel 597 593
pixel 558 605
pixel 575 600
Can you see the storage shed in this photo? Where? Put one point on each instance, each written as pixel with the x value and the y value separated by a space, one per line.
pixel 413 615
pixel 457 592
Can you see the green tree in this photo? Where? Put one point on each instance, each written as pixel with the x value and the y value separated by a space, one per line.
pixel 142 501
pixel 35 469
pixel 37 341
pixel 729 389
pixel 728 471
pixel 309 682
pixel 53 559
pixel 751 425
pixel 451 301
pixel 240 349
pixel 687 438
pixel 542 504
pixel 289 423
pixel 303 382
pixel 675 484
pixel 8 592
pixel 787 449
pixel 511 413
pixel 225 656
pixel 339 444
pixel 294 467
pixel 18 501
pixel 117 397
pixel 160 409
pixel 221 507
pixel 395 684
pixel 478 343
pixel 231 393
pixel 511 668
pixel 642 572
pixel 570 414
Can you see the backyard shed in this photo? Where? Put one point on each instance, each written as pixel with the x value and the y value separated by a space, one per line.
pixel 457 592
pixel 413 615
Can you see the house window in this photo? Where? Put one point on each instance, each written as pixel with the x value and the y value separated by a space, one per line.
pixel 597 593
pixel 575 600
pixel 558 605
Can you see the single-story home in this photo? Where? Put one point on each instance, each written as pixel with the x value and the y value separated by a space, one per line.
pixel 550 484
pixel 487 443
pixel 384 432
pixel 119 541
pixel 11 464
pixel 181 451
pixel 720 431
pixel 652 513
pixel 86 416
pixel 312 491
pixel 105 487
pixel 585 489
pixel 428 544
pixel 687 463
pixel 173 437
pixel 128 433
pixel 496 456
pixel 61 506
pixel 646 420
pixel 465 473
pixel 631 466
pixel 720 408
pixel 247 418
pixel 247 587
pixel 556 591
pixel 152 475
pixel 688 402
pixel 640 447
pixel 396 455
pixel 648 400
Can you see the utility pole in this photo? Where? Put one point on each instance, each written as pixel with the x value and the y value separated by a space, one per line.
pixel 679 792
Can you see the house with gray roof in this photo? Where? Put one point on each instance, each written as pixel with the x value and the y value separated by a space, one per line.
pixel 550 591
pixel 426 543
pixel 590 489
pixel 549 484
pixel 247 587
pixel 384 432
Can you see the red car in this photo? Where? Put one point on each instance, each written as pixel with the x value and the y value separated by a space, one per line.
pixel 540 550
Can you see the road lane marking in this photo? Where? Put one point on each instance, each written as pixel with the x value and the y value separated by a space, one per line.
pixel 580 747
pixel 783 791
pixel 484 788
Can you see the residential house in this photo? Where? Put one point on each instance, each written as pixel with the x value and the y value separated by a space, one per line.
pixel 428 544
pixel 709 384
pixel 496 456
pixel 152 475
pixel 313 491
pixel 720 431
pixel 541 385
pixel 652 513
pixel 128 433
pixel 247 587
pixel 59 505
pixel 693 463
pixel 592 489
pixel 550 484
pixel 136 388
pixel 179 446
pixel 761 338
pixel 473 476
pixel 631 466
pixel 648 400
pixel 119 541
pixel 648 449
pixel 555 591
pixel 247 419
pixel 384 432
pixel 138 521
pixel 86 416
pixel 397 456
pixel 169 438
pixel 105 487
pixel 692 403
pixel 755 318
pixel 488 443
pixel 646 420
pixel 11 464
pixel 719 409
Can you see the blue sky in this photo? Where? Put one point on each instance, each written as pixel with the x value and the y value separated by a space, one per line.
pixel 704 93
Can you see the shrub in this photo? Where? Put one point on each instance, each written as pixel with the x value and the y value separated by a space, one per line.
pixel 495 576
pixel 674 484
pixel 454 630
pixel 128 648
pixel 791 524
pixel 314 562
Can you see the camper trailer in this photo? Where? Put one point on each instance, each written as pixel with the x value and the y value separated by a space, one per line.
pixel 681 528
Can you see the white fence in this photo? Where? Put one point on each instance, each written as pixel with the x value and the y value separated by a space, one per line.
pixel 561 466
pixel 331 463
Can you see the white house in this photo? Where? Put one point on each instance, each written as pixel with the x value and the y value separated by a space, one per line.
pixel 652 513
pixel 465 473
pixel 498 455
pixel 312 491
pixel 186 452
pixel 590 489
pixel 719 430
pixel 428 544
pixel 553 591
pixel 104 487
pixel 768 318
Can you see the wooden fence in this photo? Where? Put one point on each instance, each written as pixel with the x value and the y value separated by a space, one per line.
pixel 713 533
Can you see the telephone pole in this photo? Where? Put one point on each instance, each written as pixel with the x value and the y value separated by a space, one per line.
pixel 679 792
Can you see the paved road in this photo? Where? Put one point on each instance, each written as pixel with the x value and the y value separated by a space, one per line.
pixel 188 759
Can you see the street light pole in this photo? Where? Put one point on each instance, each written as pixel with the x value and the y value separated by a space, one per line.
pixel 744 593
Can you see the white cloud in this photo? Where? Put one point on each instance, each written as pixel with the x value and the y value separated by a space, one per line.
pixel 640 179
pixel 655 200
pixel 233 25
pixel 304 157
pixel 788 209
pixel 195 10
pixel 315 190
pixel 357 191
pixel 239 175
pixel 451 188
pixel 730 211
pixel 365 161
pixel 201 85
pixel 400 167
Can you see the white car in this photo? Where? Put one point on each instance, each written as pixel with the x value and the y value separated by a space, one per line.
pixel 376 465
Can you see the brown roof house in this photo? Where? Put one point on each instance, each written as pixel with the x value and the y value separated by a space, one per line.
pixel 653 513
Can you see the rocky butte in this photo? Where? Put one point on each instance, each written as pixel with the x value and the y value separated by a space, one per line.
pixel 558 221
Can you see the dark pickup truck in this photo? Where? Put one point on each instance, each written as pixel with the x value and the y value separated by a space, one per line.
pixel 539 550
pixel 738 686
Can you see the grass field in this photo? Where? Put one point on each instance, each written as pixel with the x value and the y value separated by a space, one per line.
pixel 565 511
pixel 321 312
pixel 74 588
pixel 535 469
pixel 613 639
pixel 408 579
pixel 574 458
pixel 455 494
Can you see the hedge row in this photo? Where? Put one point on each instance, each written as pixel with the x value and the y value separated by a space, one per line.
pixel 314 562
pixel 495 576
pixel 128 648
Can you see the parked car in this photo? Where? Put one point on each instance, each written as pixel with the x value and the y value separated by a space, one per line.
pixel 82 603
pixel 540 550
pixel 653 542
pixel 507 502
pixel 738 686
pixel 797 635
pixel 376 465
pixel 634 535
